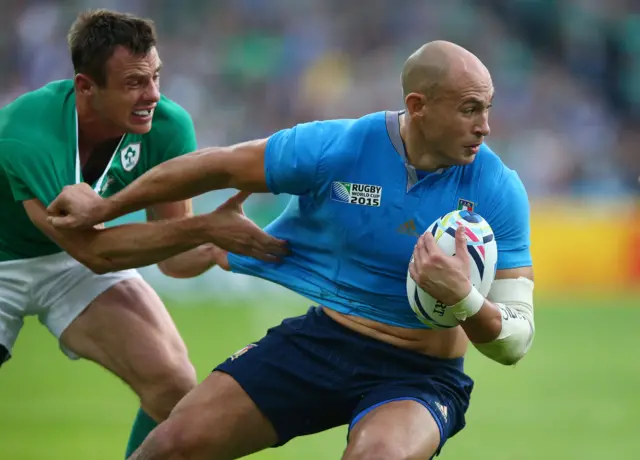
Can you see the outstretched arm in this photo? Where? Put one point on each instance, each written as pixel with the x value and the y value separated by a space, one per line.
pixel 124 246
pixel 288 162
pixel 239 166
pixel 137 245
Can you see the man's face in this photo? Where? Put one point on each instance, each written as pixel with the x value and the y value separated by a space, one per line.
pixel 131 92
pixel 456 120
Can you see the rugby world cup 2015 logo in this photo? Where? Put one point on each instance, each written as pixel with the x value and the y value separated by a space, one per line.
pixel 341 191
pixel 360 194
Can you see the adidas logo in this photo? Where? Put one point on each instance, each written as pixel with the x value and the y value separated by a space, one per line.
pixel 443 410
pixel 408 228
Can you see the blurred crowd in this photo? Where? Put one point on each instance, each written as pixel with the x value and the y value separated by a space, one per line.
pixel 566 72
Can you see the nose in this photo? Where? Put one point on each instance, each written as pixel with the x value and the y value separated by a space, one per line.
pixel 482 129
pixel 152 94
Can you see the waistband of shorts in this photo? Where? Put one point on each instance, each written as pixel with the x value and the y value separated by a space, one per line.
pixel 58 256
pixel 453 363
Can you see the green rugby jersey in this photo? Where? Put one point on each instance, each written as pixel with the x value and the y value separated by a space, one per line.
pixel 39 156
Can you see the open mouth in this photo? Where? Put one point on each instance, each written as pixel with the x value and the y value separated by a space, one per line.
pixel 143 113
pixel 473 148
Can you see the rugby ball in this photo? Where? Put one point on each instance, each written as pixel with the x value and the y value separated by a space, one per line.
pixel 483 252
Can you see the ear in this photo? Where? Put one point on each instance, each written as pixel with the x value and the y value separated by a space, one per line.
pixel 84 84
pixel 415 103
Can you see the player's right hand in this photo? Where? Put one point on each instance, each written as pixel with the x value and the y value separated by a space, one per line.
pixel 218 256
pixel 234 232
pixel 76 207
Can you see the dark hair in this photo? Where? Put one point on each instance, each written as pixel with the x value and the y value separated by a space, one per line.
pixel 94 36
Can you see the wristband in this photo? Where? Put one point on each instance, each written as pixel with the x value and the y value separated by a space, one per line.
pixel 468 306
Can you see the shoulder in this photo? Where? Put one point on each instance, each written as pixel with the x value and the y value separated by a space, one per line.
pixel 353 129
pixel 35 119
pixel 173 132
pixel 502 195
pixel 341 137
pixel 335 129
pixel 488 160
pixel 496 177
pixel 48 97
pixel 170 116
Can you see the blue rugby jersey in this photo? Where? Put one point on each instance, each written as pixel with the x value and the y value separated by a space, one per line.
pixel 358 207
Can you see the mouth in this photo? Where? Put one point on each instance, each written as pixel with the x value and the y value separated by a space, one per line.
pixel 143 114
pixel 473 148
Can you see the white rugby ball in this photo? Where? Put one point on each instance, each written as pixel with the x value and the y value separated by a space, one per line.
pixel 483 252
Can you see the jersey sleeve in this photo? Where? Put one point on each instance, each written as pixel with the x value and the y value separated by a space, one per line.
pixel 183 135
pixel 509 216
pixel 27 172
pixel 292 158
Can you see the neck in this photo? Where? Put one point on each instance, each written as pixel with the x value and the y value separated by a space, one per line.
pixel 419 155
pixel 92 129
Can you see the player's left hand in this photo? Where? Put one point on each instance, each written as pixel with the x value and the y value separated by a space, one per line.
pixel 443 277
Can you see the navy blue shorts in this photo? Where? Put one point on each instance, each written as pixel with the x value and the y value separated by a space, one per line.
pixel 310 374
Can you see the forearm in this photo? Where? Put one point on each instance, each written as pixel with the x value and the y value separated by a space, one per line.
pixel 515 337
pixel 503 327
pixel 178 179
pixel 485 325
pixel 188 264
pixel 138 245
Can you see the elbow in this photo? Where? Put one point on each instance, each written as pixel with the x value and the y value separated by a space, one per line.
pixel 169 271
pixel 97 263
pixel 177 271
pixel 505 352
pixel 100 266
pixel 504 357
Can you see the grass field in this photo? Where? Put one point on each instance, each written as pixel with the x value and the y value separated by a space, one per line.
pixel 574 397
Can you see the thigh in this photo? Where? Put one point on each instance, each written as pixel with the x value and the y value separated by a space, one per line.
pixel 395 430
pixel 426 411
pixel 426 396
pixel 14 304
pixel 296 375
pixel 217 420
pixel 63 289
pixel 11 322
pixel 128 330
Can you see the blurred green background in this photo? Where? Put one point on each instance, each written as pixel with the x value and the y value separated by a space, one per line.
pixel 574 397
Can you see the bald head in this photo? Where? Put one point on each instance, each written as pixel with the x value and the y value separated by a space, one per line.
pixel 437 64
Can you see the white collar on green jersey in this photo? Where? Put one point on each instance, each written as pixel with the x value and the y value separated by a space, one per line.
pixel 99 182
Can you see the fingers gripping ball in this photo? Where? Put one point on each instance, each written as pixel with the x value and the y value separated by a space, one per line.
pixel 483 253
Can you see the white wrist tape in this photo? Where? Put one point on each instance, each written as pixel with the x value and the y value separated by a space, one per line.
pixel 468 306
pixel 514 298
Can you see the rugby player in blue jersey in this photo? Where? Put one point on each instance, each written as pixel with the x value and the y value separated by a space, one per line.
pixel 363 191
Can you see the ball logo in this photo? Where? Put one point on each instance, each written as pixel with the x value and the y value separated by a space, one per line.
pixel 439 308
pixel 341 191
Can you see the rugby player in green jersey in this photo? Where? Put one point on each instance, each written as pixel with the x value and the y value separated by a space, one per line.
pixel 106 127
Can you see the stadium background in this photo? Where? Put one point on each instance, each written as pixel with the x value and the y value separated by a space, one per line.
pixel 566 117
